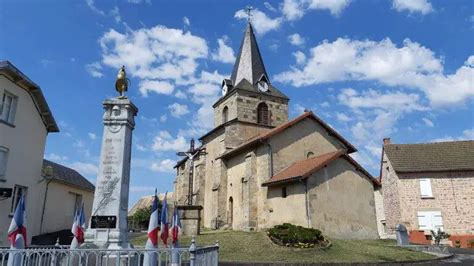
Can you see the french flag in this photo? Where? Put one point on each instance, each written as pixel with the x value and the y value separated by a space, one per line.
pixel 153 225
pixel 78 228
pixel 164 221
pixel 175 227
pixel 17 227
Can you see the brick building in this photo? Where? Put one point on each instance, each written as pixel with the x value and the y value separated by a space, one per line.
pixel 259 169
pixel 428 186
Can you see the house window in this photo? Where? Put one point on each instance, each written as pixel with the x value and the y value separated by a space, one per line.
pixel 425 188
pixel 225 114
pixel 77 202
pixel 17 192
pixel 3 162
pixel 283 192
pixel 430 220
pixel 262 114
pixel 8 107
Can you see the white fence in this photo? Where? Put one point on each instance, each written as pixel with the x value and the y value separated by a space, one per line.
pixel 63 256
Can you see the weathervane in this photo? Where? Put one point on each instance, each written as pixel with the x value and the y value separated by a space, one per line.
pixel 122 82
pixel 249 12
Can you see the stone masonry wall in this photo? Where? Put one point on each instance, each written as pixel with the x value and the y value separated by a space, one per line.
pixel 391 200
pixel 453 195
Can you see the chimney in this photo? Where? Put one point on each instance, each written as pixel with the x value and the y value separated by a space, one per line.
pixel 386 141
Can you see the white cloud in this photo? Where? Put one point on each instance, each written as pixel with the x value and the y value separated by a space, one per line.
pixel 180 95
pixel 92 6
pixel 55 157
pixel 224 53
pixel 157 53
pixel 160 87
pixel 300 57
pixel 411 65
pixel 92 136
pixel 270 7
pixel 295 39
pixel 163 166
pixel 163 118
pixel 296 9
pixel 186 21
pixel 261 22
pixel 94 69
pixel 467 134
pixel 422 6
pixel 115 13
pixel 343 117
pixel 428 122
pixel 84 168
pixel 178 110
pixel 387 101
pixel 165 142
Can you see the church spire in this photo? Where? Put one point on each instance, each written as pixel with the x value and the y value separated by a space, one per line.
pixel 249 64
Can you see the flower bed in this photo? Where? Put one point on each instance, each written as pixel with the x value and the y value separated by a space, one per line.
pixel 290 235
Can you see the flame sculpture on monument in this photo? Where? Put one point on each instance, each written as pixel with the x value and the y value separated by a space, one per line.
pixel 108 225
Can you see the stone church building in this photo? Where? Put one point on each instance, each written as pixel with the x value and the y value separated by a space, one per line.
pixel 258 169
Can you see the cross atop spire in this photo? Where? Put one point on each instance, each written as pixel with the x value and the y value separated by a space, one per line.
pixel 249 64
pixel 249 12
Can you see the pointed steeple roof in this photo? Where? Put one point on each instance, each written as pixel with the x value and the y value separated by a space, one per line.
pixel 249 64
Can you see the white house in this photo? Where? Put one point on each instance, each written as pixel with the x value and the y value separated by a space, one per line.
pixel 25 121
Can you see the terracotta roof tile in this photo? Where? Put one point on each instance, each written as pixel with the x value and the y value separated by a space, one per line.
pixel 266 135
pixel 303 169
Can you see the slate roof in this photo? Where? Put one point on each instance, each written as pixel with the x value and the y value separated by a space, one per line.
pixel 8 70
pixel 303 169
pixel 68 176
pixel 431 157
pixel 249 64
pixel 266 135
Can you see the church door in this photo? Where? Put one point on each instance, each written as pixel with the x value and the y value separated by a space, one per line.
pixel 231 211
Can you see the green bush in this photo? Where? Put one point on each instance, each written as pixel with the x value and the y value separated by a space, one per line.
pixel 298 236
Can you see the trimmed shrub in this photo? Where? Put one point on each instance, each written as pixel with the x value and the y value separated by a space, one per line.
pixel 296 236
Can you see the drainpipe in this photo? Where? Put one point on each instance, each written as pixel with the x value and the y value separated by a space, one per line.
pixel 308 215
pixel 44 205
pixel 270 163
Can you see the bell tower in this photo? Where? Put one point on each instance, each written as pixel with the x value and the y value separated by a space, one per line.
pixel 249 96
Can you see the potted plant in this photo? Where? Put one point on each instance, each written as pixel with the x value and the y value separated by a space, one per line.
pixel 439 235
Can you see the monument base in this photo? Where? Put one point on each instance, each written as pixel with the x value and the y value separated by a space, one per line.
pixel 106 239
pixel 190 219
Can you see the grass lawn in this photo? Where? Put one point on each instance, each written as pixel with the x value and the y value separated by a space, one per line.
pixel 240 246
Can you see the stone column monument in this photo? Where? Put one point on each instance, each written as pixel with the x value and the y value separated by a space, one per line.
pixel 108 224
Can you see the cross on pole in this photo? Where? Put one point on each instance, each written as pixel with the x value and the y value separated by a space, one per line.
pixel 191 154
pixel 249 12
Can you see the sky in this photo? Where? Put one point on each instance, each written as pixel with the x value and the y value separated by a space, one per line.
pixel 371 69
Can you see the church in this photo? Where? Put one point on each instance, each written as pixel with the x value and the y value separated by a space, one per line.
pixel 257 169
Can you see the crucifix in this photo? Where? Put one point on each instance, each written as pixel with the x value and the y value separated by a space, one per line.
pixel 191 154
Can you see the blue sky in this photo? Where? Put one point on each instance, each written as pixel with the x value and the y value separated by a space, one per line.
pixel 371 69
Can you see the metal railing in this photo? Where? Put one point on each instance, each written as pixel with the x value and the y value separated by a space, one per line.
pixel 63 256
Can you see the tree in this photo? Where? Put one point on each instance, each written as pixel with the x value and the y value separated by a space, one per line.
pixel 439 235
pixel 142 216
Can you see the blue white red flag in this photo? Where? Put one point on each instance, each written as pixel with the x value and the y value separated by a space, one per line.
pixel 164 221
pixel 18 225
pixel 175 227
pixel 78 227
pixel 153 225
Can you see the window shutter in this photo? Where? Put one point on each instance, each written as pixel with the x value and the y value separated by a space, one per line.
pixel 437 220
pixel 423 221
pixel 425 188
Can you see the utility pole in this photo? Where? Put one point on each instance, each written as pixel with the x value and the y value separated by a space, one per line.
pixel 191 154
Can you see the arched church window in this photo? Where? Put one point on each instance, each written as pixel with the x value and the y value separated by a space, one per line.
pixel 225 114
pixel 262 114
pixel 309 155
